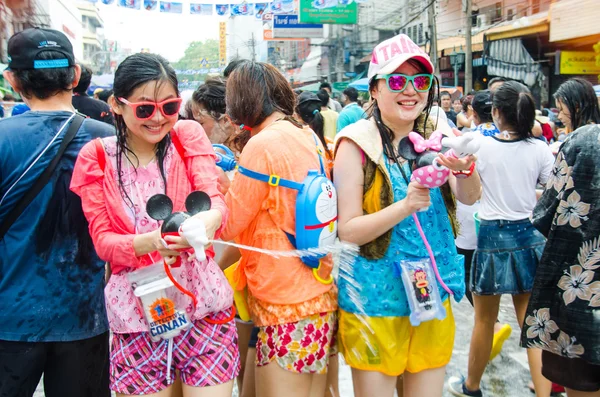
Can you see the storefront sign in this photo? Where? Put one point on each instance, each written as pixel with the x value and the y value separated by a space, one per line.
pixel 577 62
pixel 328 11
pixel 222 43
pixel 288 26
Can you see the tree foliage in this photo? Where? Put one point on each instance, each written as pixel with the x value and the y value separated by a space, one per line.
pixel 197 51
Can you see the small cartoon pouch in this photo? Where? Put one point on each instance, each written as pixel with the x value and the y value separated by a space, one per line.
pixel 422 290
pixel 155 293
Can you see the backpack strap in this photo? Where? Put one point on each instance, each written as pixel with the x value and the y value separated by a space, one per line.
pixel 100 153
pixel 272 180
pixel 178 146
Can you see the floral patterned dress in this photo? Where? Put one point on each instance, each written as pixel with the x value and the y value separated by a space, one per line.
pixel 563 316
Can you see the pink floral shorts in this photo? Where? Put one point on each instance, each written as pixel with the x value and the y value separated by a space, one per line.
pixel 205 355
pixel 302 347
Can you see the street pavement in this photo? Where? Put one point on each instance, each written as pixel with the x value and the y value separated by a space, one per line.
pixel 506 376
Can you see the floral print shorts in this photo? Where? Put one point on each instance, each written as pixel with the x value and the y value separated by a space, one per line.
pixel 302 347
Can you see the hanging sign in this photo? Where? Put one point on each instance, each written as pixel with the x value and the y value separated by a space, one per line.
pixel 328 11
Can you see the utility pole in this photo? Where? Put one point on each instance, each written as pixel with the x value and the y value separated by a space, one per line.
pixel 339 64
pixel 433 37
pixel 253 44
pixel 468 52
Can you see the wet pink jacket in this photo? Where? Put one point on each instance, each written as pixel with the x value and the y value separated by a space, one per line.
pixel 111 229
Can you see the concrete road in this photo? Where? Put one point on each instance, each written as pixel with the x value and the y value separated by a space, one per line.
pixel 506 376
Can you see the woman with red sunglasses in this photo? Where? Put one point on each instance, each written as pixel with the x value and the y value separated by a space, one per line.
pixel 152 153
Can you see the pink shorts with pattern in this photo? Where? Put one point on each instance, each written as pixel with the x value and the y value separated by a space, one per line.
pixel 205 355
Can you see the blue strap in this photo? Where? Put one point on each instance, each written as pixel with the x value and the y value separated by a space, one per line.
pixel 273 180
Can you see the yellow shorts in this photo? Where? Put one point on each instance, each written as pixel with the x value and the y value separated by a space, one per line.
pixel 391 345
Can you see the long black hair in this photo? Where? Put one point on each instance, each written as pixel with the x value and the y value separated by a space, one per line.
pixel 134 71
pixel 309 110
pixel 517 108
pixel 579 97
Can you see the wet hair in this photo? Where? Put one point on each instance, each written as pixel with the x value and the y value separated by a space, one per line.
pixel 84 81
pixel 517 108
pixel 324 97
pixel 232 66
pixel 579 97
pixel 135 71
pixel 325 85
pixel 104 95
pixel 482 106
pixel 443 94
pixel 496 80
pixel 309 110
pixel 254 92
pixel 211 95
pixel 465 102
pixel 45 83
pixel 351 93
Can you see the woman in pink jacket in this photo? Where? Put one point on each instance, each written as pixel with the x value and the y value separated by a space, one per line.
pixel 153 154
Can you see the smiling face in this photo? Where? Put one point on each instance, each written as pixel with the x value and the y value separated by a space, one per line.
pixel 154 129
pixel 400 107
pixel 563 114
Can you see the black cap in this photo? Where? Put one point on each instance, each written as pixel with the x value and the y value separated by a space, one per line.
pixel 482 104
pixel 308 96
pixel 24 48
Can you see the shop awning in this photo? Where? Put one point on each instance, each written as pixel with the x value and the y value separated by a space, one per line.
pixel 526 26
pixel 311 70
pixel 509 58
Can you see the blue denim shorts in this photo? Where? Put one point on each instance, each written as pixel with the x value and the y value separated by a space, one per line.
pixel 507 256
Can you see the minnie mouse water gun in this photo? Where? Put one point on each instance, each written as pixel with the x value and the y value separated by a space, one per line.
pixel 424 152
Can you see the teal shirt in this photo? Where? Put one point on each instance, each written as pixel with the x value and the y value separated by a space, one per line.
pixel 350 115
pixel 374 287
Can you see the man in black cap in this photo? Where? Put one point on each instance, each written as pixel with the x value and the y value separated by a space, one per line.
pixel 83 103
pixel 53 320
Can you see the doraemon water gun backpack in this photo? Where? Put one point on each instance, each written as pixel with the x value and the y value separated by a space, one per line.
pixel 316 210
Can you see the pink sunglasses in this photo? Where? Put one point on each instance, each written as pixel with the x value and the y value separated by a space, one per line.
pixel 147 110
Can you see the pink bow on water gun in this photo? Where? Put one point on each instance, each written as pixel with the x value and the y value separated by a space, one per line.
pixel 420 144
pixel 428 171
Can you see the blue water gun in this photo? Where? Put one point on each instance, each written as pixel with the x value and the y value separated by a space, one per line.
pixel 225 160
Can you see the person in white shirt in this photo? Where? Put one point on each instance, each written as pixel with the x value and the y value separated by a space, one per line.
pixel 511 165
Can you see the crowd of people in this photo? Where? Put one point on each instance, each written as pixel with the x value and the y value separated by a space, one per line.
pixel 92 224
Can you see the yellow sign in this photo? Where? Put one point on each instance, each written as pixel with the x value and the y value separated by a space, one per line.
pixel 222 43
pixel 578 62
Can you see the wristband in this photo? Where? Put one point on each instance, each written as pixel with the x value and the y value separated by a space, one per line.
pixel 463 174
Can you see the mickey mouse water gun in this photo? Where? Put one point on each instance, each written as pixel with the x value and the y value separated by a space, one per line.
pixel 160 208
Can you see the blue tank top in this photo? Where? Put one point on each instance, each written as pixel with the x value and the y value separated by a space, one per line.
pixel 374 287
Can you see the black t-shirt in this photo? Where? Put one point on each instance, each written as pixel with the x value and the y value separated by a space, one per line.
pixel 451 115
pixel 93 108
